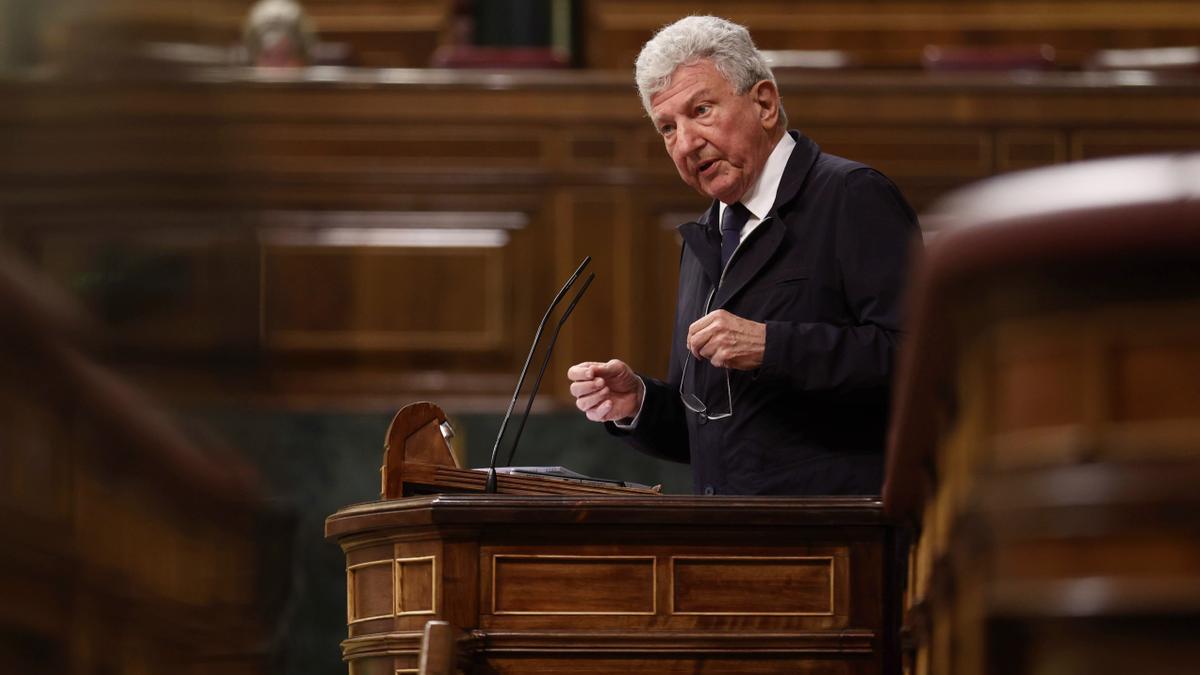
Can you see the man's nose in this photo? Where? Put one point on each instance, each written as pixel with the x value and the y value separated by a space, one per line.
pixel 688 137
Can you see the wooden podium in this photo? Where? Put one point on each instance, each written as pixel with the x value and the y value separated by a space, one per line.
pixel 606 584
pixel 559 576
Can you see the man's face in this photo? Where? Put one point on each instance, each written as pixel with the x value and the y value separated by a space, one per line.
pixel 718 140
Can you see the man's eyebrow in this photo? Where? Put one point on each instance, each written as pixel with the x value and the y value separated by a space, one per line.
pixel 698 96
pixel 692 100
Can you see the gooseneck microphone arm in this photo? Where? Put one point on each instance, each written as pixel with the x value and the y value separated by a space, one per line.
pixel 537 382
pixel 490 488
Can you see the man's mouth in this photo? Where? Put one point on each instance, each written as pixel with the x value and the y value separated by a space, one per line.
pixel 704 166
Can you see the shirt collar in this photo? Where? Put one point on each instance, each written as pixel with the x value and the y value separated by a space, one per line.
pixel 761 196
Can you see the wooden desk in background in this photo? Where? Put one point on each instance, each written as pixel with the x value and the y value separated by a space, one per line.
pixel 609 33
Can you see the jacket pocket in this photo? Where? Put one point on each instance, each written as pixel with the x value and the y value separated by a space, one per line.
pixel 789 275
pixel 779 295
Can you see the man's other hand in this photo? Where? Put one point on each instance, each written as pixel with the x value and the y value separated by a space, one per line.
pixel 728 341
pixel 606 392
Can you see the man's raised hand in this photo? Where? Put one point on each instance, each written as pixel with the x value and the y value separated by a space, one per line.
pixel 606 392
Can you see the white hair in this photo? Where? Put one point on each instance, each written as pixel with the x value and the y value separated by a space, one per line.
pixel 270 20
pixel 694 38
pixel 276 11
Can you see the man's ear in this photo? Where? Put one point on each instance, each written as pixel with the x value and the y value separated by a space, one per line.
pixel 766 97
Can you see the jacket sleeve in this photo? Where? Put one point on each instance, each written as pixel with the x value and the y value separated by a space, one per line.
pixel 876 234
pixel 661 430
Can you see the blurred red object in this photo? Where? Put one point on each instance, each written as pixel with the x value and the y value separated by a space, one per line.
pixel 469 56
pixel 1010 57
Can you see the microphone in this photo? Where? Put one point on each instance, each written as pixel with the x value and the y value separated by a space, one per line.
pixel 545 362
pixel 490 488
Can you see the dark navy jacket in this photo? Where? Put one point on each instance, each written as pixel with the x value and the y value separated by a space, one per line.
pixel 824 270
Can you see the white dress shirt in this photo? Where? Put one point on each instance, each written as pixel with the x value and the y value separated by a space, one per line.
pixel 759 199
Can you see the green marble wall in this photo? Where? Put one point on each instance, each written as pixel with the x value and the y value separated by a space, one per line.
pixel 316 463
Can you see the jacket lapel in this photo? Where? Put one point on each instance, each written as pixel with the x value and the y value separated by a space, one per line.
pixel 759 248
pixel 752 256
pixel 703 239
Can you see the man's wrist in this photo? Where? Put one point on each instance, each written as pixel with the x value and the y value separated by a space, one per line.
pixel 628 423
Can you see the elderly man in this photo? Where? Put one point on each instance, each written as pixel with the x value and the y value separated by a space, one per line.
pixel 788 309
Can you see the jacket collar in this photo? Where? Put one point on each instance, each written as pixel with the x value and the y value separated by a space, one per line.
pixel 703 237
pixel 800 164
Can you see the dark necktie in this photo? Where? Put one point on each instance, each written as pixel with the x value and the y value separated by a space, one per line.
pixel 732 222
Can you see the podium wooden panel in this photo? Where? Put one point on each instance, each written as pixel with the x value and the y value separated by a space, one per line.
pixel 664 584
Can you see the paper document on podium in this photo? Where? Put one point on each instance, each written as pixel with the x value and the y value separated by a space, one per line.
pixel 567 474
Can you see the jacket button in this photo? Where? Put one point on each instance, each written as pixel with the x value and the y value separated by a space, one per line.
pixel 708 490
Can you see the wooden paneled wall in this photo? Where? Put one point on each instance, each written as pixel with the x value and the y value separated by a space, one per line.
pixel 893 33
pixel 369 237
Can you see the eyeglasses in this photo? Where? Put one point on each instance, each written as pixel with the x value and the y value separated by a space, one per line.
pixel 693 402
